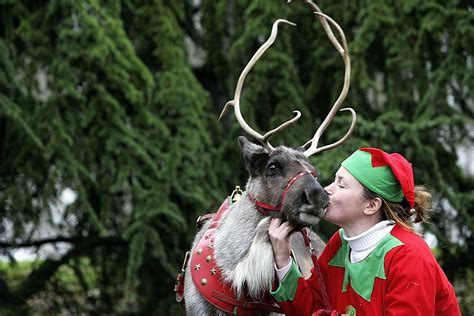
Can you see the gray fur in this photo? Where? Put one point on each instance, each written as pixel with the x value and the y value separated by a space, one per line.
pixel 242 246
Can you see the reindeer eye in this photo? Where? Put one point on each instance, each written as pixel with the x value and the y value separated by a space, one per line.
pixel 273 168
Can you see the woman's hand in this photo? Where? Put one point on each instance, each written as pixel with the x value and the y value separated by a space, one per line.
pixel 280 238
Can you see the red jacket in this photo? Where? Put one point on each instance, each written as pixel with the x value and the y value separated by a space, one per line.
pixel 400 277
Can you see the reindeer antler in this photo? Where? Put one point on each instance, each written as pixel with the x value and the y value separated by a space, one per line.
pixel 238 89
pixel 313 143
pixel 344 52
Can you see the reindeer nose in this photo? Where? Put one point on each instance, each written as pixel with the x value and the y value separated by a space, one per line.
pixel 314 196
pixel 305 198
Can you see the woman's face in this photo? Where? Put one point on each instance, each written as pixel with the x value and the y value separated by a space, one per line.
pixel 346 200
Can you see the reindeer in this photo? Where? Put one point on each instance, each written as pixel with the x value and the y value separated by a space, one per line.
pixel 232 264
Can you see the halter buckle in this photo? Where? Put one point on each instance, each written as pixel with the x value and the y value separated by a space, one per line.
pixel 236 194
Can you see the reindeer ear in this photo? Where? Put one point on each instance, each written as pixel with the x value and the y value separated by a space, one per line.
pixel 255 156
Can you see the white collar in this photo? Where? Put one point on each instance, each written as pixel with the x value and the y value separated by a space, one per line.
pixel 363 244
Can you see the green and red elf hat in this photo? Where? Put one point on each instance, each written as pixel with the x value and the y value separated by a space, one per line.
pixel 388 175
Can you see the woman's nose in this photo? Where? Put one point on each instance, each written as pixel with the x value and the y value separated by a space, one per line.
pixel 328 189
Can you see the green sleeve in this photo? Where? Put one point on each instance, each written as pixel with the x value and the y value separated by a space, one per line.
pixel 287 288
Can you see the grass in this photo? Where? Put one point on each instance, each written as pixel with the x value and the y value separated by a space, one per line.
pixel 15 273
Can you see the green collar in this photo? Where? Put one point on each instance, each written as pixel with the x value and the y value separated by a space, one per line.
pixel 362 274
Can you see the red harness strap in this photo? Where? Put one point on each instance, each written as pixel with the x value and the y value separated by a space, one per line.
pixel 179 286
pixel 324 293
pixel 208 278
pixel 265 208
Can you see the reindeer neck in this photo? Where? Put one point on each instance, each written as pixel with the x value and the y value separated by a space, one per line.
pixel 236 231
pixel 242 216
pixel 243 250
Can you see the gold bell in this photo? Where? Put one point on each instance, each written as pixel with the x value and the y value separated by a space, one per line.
pixel 236 194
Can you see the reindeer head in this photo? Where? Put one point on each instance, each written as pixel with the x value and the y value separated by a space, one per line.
pixel 283 183
pixel 283 178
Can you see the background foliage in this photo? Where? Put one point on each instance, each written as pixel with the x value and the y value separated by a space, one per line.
pixel 118 102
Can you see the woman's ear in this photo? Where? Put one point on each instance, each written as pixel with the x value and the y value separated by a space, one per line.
pixel 373 207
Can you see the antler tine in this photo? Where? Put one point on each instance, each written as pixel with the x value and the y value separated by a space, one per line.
pixel 327 28
pixel 313 150
pixel 238 89
pixel 344 52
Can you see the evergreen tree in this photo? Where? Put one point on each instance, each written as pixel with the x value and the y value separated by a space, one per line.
pixel 118 101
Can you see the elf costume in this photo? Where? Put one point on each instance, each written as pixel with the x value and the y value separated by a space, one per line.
pixel 387 270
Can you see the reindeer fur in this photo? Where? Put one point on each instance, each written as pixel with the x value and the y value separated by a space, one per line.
pixel 243 250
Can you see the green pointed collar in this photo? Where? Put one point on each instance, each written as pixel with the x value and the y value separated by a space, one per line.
pixel 362 274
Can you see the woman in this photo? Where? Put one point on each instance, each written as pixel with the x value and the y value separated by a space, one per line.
pixel 376 264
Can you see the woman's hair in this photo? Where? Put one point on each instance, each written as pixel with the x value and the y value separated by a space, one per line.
pixel 402 213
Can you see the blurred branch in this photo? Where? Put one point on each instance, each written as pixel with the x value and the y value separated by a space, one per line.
pixel 188 25
pixel 72 240
pixel 38 278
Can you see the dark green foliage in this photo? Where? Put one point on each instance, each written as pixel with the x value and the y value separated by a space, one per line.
pixel 118 101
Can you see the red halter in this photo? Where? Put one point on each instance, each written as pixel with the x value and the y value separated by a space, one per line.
pixel 265 208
